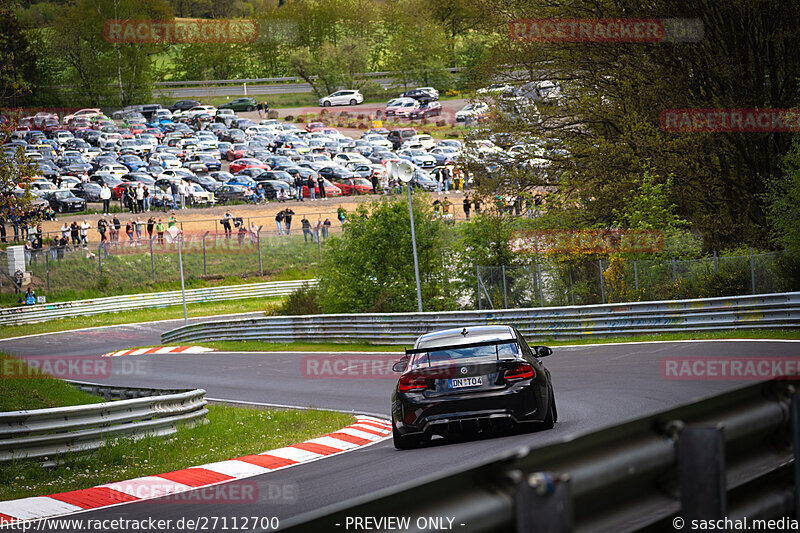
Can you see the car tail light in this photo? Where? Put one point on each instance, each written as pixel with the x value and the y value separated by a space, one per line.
pixel 519 372
pixel 412 382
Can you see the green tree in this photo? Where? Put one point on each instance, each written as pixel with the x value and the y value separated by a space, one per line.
pixel 370 268
pixel 783 201
pixel 333 66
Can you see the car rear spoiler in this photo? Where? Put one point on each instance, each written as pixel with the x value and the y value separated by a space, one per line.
pixel 457 346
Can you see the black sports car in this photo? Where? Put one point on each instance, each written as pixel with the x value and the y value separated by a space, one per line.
pixel 470 380
pixel 63 201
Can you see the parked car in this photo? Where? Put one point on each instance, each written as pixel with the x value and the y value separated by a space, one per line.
pixel 485 377
pixel 425 110
pixel 471 112
pixel 399 136
pixel 183 105
pixel 230 192
pixel 88 191
pixel 240 104
pixel 352 186
pixel 422 94
pixel 345 97
pixel 401 107
pixel 64 201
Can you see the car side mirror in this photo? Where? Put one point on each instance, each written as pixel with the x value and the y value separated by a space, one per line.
pixel 401 365
pixel 542 351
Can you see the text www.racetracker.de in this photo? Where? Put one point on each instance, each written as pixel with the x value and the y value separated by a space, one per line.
pixel 201 523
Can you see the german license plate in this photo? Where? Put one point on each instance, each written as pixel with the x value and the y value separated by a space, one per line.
pixel 458 383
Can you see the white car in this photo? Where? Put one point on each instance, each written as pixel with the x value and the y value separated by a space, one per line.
pixel 198 195
pixel 427 142
pixel 400 107
pixel 472 111
pixel 345 97
pixel 199 109
pixel 166 160
pixel 378 140
pixel 62 137
pixel 115 169
pixel 350 157
pixel 495 88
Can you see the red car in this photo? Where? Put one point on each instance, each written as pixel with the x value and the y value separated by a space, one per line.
pixel 330 190
pixel 116 192
pixel 352 186
pixel 51 125
pixel 315 126
pixel 138 128
pixel 235 152
pixel 126 134
pixel 243 163
pixel 156 132
pixel 80 124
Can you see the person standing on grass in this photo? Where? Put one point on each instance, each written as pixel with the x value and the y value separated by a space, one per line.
pixel 129 232
pixel 326 226
pixel 242 232
pixel 279 221
pixel 307 229
pixel 467 206
pixel 287 219
pixel 318 229
pixel 160 231
pixel 105 196
pixel 114 230
pixel 102 227
pixel 65 230
pixel 85 226
pixel 253 233
pixel 340 214
pixel 138 229
pixel 226 223
pixel 75 233
pixel 140 198
pixel 151 223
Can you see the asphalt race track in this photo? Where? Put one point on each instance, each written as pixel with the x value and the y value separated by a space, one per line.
pixel 595 386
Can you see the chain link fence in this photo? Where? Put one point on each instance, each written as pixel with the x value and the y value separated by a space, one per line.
pixel 558 283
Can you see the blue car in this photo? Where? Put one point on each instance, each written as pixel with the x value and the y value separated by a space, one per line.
pixel 133 162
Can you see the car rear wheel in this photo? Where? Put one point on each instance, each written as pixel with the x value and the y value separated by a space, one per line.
pixel 405 442
pixel 550 419
pixel 326 103
pixel 250 108
pixel 353 102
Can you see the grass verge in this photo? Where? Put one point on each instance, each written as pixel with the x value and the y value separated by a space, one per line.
pixel 230 432
pixel 254 346
pixel 140 315
pixel 35 390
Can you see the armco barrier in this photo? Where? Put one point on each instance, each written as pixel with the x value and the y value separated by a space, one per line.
pixel 42 312
pixel 721 458
pixel 739 312
pixel 40 433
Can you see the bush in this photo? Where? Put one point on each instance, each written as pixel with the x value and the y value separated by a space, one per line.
pixel 273 114
pixel 303 301
pixel 288 118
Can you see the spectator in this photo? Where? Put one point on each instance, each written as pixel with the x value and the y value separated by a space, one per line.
pixel 261 194
pixel 311 187
pixel 477 204
pixel 151 223
pixel 105 196
pixel 160 231
pixel 259 108
pixel 114 229
pixel 140 198
pixel 30 297
pixel 138 229
pixel 249 195
pixel 279 221
pixel 173 189
pixel 298 185
pixel 253 233
pixel 129 232
pixel 467 206
pixel 241 234
pixel 307 229
pixel 318 229
pixel 65 230
pixel 340 214
pixel 85 227
pixel 281 195
pixel 146 195
pixel 130 199
pixel 287 219
pixel 320 185
pixel 74 231
pixel 182 192
pixel 226 224
pixel 102 227
pixel 374 182
pixel 326 226
pixel 171 221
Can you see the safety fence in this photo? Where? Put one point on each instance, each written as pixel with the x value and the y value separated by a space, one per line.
pixel 585 282
pixel 40 433
pixel 42 312
pixel 740 312
pixel 725 457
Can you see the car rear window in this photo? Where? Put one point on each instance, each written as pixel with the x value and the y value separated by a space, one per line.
pixel 488 352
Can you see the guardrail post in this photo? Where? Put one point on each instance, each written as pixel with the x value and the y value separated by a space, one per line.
pixel 571 288
pixel 752 273
pixel 204 253
pixel 478 277
pixel 796 446
pixel 701 472
pixel 544 504
pixel 152 261
pixel 258 243
pixel 602 282
pixel 539 283
pixel 505 297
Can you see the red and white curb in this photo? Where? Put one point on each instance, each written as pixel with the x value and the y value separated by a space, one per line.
pixel 367 430
pixel 159 350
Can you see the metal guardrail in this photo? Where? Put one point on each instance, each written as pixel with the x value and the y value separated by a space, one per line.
pixel 740 312
pixel 42 312
pixel 729 456
pixel 39 433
